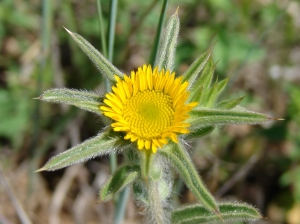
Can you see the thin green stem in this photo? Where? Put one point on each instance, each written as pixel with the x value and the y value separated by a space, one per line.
pixel 111 39
pixel 46 27
pixel 147 159
pixel 141 19
pixel 123 198
pixel 111 29
pixel 136 27
pixel 121 206
pixel 69 16
pixel 102 33
pixel 154 50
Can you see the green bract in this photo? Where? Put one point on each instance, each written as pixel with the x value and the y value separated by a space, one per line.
pixel 149 173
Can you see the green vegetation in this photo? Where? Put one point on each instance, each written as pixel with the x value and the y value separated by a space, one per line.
pixel 256 45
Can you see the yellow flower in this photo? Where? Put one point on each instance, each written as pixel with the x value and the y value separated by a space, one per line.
pixel 149 106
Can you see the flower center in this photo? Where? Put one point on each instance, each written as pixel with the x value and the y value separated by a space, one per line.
pixel 149 113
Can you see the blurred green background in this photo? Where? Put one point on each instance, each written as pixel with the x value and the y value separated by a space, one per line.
pixel 256 43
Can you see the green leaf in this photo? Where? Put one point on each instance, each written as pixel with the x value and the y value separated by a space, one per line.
pixel 221 86
pixel 229 104
pixel 103 65
pixel 140 192
pixel 197 95
pixel 119 180
pixel 165 59
pixel 200 132
pixel 209 97
pixel 193 71
pixel 179 159
pixel 83 99
pixel 102 144
pixel 230 212
pixel 204 117
pixel 213 93
pixel 206 75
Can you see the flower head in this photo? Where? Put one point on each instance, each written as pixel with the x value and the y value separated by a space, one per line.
pixel 149 106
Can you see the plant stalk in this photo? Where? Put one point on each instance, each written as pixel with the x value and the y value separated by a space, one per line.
pixel 156 208
pixel 111 40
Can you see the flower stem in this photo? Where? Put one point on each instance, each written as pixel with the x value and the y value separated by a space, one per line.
pixel 46 28
pixel 124 195
pixel 111 28
pixel 146 164
pixel 111 39
pixel 156 208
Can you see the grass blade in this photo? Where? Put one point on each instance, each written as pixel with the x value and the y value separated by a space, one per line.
pixel 155 46
pixel 111 28
pixel 121 206
pixel 102 33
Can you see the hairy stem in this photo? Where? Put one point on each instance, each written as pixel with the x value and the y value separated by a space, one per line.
pixel 157 214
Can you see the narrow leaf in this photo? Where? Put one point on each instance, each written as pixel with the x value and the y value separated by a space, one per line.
pixel 102 144
pixel 204 117
pixel 83 99
pixel 200 132
pixel 103 65
pixel 165 59
pixel 230 212
pixel 120 179
pixel 221 86
pixel 210 96
pixel 206 75
pixel 197 96
pixel 229 104
pixel 193 71
pixel 213 93
pixel 178 157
